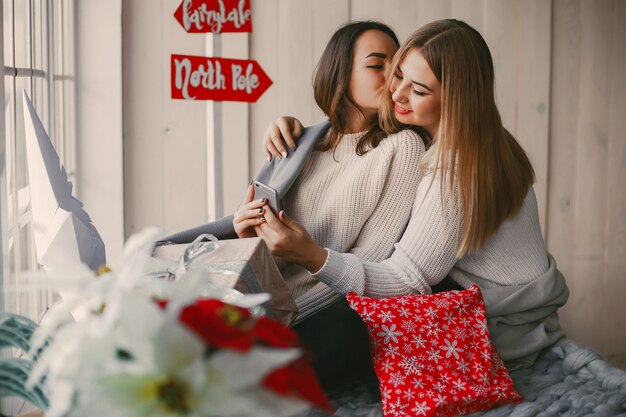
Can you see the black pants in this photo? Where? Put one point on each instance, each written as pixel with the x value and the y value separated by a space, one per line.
pixel 338 340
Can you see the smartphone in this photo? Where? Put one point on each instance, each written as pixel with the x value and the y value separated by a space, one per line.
pixel 271 195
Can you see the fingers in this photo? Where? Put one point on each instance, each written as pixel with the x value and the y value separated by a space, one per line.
pixel 263 231
pixel 282 240
pixel 277 222
pixel 254 204
pixel 285 125
pixel 267 139
pixel 266 232
pixel 249 214
pixel 247 209
pixel 247 223
pixel 272 226
pixel 279 150
pixel 284 218
pixel 297 128
pixel 269 147
pixel 279 133
pixel 271 218
pixel 249 195
pixel 247 217
pixel 266 152
pixel 283 223
pixel 289 222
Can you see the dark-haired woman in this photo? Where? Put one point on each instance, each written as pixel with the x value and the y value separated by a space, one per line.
pixel 353 195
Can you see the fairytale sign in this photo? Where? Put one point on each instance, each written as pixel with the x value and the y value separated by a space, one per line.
pixel 216 16
pixel 218 79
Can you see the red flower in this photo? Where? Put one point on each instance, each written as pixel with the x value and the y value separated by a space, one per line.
pixel 219 324
pixel 274 334
pixel 298 379
pixel 225 326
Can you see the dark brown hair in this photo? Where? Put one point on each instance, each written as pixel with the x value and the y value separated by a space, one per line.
pixel 331 83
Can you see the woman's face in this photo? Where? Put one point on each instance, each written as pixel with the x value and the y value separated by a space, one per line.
pixel 416 93
pixel 373 52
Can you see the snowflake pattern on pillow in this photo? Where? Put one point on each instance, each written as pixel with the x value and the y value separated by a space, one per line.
pixel 432 354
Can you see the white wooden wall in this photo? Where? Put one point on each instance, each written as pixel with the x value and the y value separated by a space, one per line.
pixel 164 140
pixel 169 164
pixel 99 120
pixel 587 169
pixel 561 89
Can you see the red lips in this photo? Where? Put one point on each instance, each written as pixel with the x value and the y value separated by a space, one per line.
pixel 400 110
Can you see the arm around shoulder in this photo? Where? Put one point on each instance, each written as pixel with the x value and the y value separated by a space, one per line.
pixel 350 272
pixel 422 258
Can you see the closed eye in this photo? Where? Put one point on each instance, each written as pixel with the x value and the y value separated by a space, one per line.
pixel 419 93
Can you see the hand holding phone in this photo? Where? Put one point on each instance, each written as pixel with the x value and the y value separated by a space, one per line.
pixel 271 195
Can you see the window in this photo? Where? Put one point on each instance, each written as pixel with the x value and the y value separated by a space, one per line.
pixel 38 58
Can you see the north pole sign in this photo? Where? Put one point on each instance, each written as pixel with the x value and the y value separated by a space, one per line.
pixel 214 16
pixel 218 79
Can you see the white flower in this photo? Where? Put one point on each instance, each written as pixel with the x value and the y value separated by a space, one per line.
pixel 110 350
pixel 170 384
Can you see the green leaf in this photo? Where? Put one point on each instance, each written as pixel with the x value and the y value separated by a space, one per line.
pixel 16 331
pixel 13 377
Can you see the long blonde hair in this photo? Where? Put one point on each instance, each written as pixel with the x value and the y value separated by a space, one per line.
pixel 474 153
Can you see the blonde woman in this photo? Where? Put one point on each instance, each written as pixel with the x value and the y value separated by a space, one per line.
pixel 475 214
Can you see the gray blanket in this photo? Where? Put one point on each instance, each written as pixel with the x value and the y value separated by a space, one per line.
pixel 566 380
pixel 523 319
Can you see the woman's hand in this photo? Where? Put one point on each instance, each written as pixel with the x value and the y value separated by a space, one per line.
pixel 250 214
pixel 288 239
pixel 286 128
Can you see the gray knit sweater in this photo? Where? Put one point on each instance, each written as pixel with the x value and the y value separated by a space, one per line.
pixel 426 253
pixel 359 205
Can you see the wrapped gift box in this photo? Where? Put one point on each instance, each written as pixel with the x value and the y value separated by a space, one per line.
pixel 245 265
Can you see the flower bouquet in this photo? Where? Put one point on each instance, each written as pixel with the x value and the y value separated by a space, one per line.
pixel 124 342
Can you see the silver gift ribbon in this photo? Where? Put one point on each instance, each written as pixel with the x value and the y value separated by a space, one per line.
pixel 206 243
pixel 195 249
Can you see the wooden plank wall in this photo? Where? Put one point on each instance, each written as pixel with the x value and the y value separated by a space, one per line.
pixel 560 83
pixel 614 338
pixel 587 169
pixel 561 89
pixel 164 140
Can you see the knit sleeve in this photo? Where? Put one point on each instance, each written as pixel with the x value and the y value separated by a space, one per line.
pixel 317 298
pixel 422 258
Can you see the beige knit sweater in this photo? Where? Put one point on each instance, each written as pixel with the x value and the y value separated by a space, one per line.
pixel 514 255
pixel 353 204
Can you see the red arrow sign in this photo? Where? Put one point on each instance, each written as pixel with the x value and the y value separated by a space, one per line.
pixel 218 79
pixel 217 16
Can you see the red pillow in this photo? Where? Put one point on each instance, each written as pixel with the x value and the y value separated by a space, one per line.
pixel 432 354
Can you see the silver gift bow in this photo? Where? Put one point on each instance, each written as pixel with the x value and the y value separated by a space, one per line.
pixel 206 243
pixel 195 249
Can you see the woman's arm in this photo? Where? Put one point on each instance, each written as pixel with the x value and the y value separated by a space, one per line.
pixel 422 258
pixel 317 298
pixel 384 226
